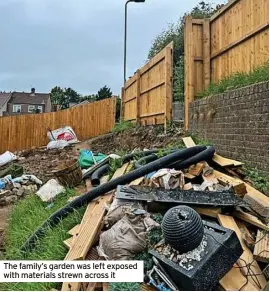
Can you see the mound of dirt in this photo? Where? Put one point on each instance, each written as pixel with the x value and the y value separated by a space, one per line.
pixel 136 138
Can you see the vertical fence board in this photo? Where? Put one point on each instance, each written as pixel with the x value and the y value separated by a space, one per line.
pixel 26 131
pixel 148 94
pixel 235 39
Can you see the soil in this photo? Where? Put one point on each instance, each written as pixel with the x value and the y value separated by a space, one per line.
pixel 137 138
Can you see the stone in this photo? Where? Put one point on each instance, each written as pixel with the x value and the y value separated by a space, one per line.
pixel 16 185
pixel 11 199
pixel 28 190
pixel 5 194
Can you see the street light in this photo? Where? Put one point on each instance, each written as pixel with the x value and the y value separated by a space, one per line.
pixel 125 38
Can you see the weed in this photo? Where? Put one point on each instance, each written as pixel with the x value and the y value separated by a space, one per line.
pixel 199 141
pixel 237 80
pixel 114 164
pixel 146 258
pixel 25 217
pixel 260 181
pixel 124 286
pixel 122 126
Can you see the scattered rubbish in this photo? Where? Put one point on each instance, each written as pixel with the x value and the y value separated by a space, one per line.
pixel 66 133
pixel 177 196
pixel 58 144
pixel 7 157
pixel 88 159
pixel 124 240
pixel 68 173
pixel 26 177
pixel 182 228
pixel 168 178
pixel 50 190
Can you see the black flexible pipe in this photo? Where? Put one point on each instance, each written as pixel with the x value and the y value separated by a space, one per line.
pixel 103 189
pixel 204 155
pixel 95 178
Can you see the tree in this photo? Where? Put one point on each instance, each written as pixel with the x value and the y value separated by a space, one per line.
pixel 175 33
pixel 103 93
pixel 58 97
pixel 72 95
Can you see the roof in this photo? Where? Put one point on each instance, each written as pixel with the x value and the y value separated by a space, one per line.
pixel 81 103
pixel 28 98
pixel 4 98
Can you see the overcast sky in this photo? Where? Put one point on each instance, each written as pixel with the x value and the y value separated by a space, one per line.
pixel 77 43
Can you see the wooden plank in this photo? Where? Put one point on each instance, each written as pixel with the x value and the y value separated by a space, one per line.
pixel 257 201
pixel 104 179
pixel 206 52
pixel 250 219
pixel 188 141
pixel 222 161
pixel 247 256
pixel 68 242
pixel 234 281
pixel 196 169
pixel 74 230
pixel 168 84
pixel 223 9
pixel 120 171
pixel 189 176
pixel 238 185
pixel 137 181
pixel 211 212
pixel 187 186
pixel 138 95
pixel 261 249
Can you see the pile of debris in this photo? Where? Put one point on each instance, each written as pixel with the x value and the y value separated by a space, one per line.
pixel 228 250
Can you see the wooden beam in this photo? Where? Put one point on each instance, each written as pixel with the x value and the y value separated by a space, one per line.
pixel 138 95
pixel 250 219
pixel 168 83
pixel 261 249
pixel 240 40
pixel 154 87
pixel 206 52
pixel 247 256
pixel 237 184
pixel 211 212
pixel 222 161
pixel 196 169
pixel 257 201
pixel 137 181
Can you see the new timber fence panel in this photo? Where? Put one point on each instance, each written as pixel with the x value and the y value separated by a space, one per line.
pixel 26 131
pixel 147 95
pixel 235 39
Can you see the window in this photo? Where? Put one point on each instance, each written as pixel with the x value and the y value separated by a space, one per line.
pixel 17 108
pixel 40 108
pixel 31 108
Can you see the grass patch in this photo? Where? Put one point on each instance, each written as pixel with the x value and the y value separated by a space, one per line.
pixel 237 80
pixel 122 126
pixel 25 218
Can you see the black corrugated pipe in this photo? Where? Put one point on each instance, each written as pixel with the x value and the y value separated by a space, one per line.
pixel 56 217
pixel 97 174
pixel 204 155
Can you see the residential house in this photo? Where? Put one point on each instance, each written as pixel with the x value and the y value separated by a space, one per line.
pixel 4 98
pixel 27 103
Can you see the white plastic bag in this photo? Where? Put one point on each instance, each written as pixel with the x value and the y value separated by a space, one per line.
pixel 58 144
pixel 7 157
pixel 50 190
pixel 66 133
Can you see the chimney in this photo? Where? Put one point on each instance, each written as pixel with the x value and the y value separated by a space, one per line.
pixel 33 90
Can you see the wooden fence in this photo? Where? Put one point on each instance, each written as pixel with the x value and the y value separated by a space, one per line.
pixel 26 131
pixel 147 95
pixel 235 39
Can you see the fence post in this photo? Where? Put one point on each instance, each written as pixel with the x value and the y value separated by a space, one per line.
pixel 138 97
pixel 122 115
pixel 168 83
pixel 206 52
pixel 189 66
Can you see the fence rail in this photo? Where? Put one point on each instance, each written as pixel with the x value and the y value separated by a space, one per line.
pixel 147 95
pixel 26 131
pixel 235 39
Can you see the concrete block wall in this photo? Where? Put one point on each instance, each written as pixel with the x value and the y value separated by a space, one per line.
pixel 236 122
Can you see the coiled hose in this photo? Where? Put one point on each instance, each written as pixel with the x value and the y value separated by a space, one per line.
pixel 56 217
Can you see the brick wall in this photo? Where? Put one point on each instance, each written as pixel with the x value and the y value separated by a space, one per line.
pixel 236 122
pixel 178 110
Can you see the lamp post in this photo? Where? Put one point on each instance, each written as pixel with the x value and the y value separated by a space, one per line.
pixel 125 37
